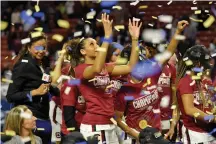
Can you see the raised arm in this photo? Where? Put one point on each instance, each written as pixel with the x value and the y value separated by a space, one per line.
pixel 134 29
pixel 99 62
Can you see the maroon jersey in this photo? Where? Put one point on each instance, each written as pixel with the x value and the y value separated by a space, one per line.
pixel 167 78
pixel 188 86
pixel 145 105
pixel 71 97
pixel 99 99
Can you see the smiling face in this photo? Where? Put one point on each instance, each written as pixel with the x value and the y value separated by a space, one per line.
pixel 38 49
pixel 90 48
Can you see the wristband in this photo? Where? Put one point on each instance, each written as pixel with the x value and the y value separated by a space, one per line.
pixel 108 40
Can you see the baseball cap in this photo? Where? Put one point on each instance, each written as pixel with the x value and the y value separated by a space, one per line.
pixel 151 135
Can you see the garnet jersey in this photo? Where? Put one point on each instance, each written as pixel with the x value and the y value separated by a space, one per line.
pixel 99 98
pixel 188 86
pixel 166 79
pixel 144 109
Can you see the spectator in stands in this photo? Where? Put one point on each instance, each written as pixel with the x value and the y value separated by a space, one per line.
pixel 69 5
pixel 15 17
pixel 21 121
pixel 212 46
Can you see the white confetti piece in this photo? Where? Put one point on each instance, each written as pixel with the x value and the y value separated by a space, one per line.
pixel 194 2
pixel 209 21
pixel 168 26
pixel 25 61
pixel 63 23
pixel 188 72
pixel 213 55
pixel 180 37
pixel 37 8
pixel 134 3
pixel 29 12
pixel 169 2
pixel 40 129
pixel 159 5
pixel 26 40
pixel 165 101
pixel 136 19
pixel 150 24
pixel 77 34
pixel 186 58
pixel 57 37
pixel 206 11
pixel 165 18
pixel 67 90
pixel 13 57
pixel 193 8
pixel 156 110
pixel 196 102
pixel 99 20
pixel 154 17
pixel 154 35
pixel 143 7
pixel 192 83
pixel 195 20
pixel 163 56
pixel 91 15
pixel 92 80
pixel 36 34
pixel 117 7
pixel 71 129
pixel 197 12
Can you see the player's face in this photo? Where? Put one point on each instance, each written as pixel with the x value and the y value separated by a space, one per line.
pixel 90 48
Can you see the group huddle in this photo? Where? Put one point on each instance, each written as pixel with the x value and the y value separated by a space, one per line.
pixel 111 94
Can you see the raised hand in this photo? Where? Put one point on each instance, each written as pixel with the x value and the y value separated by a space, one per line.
pixel 181 25
pixel 107 24
pixel 134 28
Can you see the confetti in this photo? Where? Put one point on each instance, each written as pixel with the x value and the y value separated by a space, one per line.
pixel 118 46
pixel 71 129
pixel 154 17
pixel 165 18
pixel 186 58
pixel 149 81
pixel 209 21
pixel 195 20
pixel 29 12
pixel 173 107
pixel 156 110
pixel 57 37
pixel 159 5
pixel 118 27
pixel 165 101
pixel 128 98
pixel 196 102
pixel 206 11
pixel 210 2
pixel 86 21
pixel 143 7
pixel 92 80
pixel 37 8
pixel 7 80
pixel 101 49
pixel 117 7
pixel 194 2
pixel 196 114
pixel 154 35
pixel 197 12
pixel 180 37
pixel 10 133
pixel 6 57
pixel 213 131
pixel 40 129
pixel 29 97
pixel 36 34
pixel 99 20
pixel 63 23
pixel 109 86
pixel 163 56
pixel 193 8
pixel 4 25
pixel 91 15
pixel 74 82
pixel 136 19
pixel 168 26
pixel 25 115
pixel 134 3
pixel 39 29
pixel 196 77
pixel 213 55
pixel 169 2
pixel 192 83
pixel 141 13
pixel 197 69
pixel 188 62
pixel 67 90
pixel 113 121
pixel 150 24
pixel 77 34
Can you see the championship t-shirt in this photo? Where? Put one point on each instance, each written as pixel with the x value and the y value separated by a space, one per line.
pixel 166 79
pixel 144 108
pixel 99 99
pixel 188 86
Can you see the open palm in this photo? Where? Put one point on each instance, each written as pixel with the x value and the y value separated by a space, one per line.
pixel 134 28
